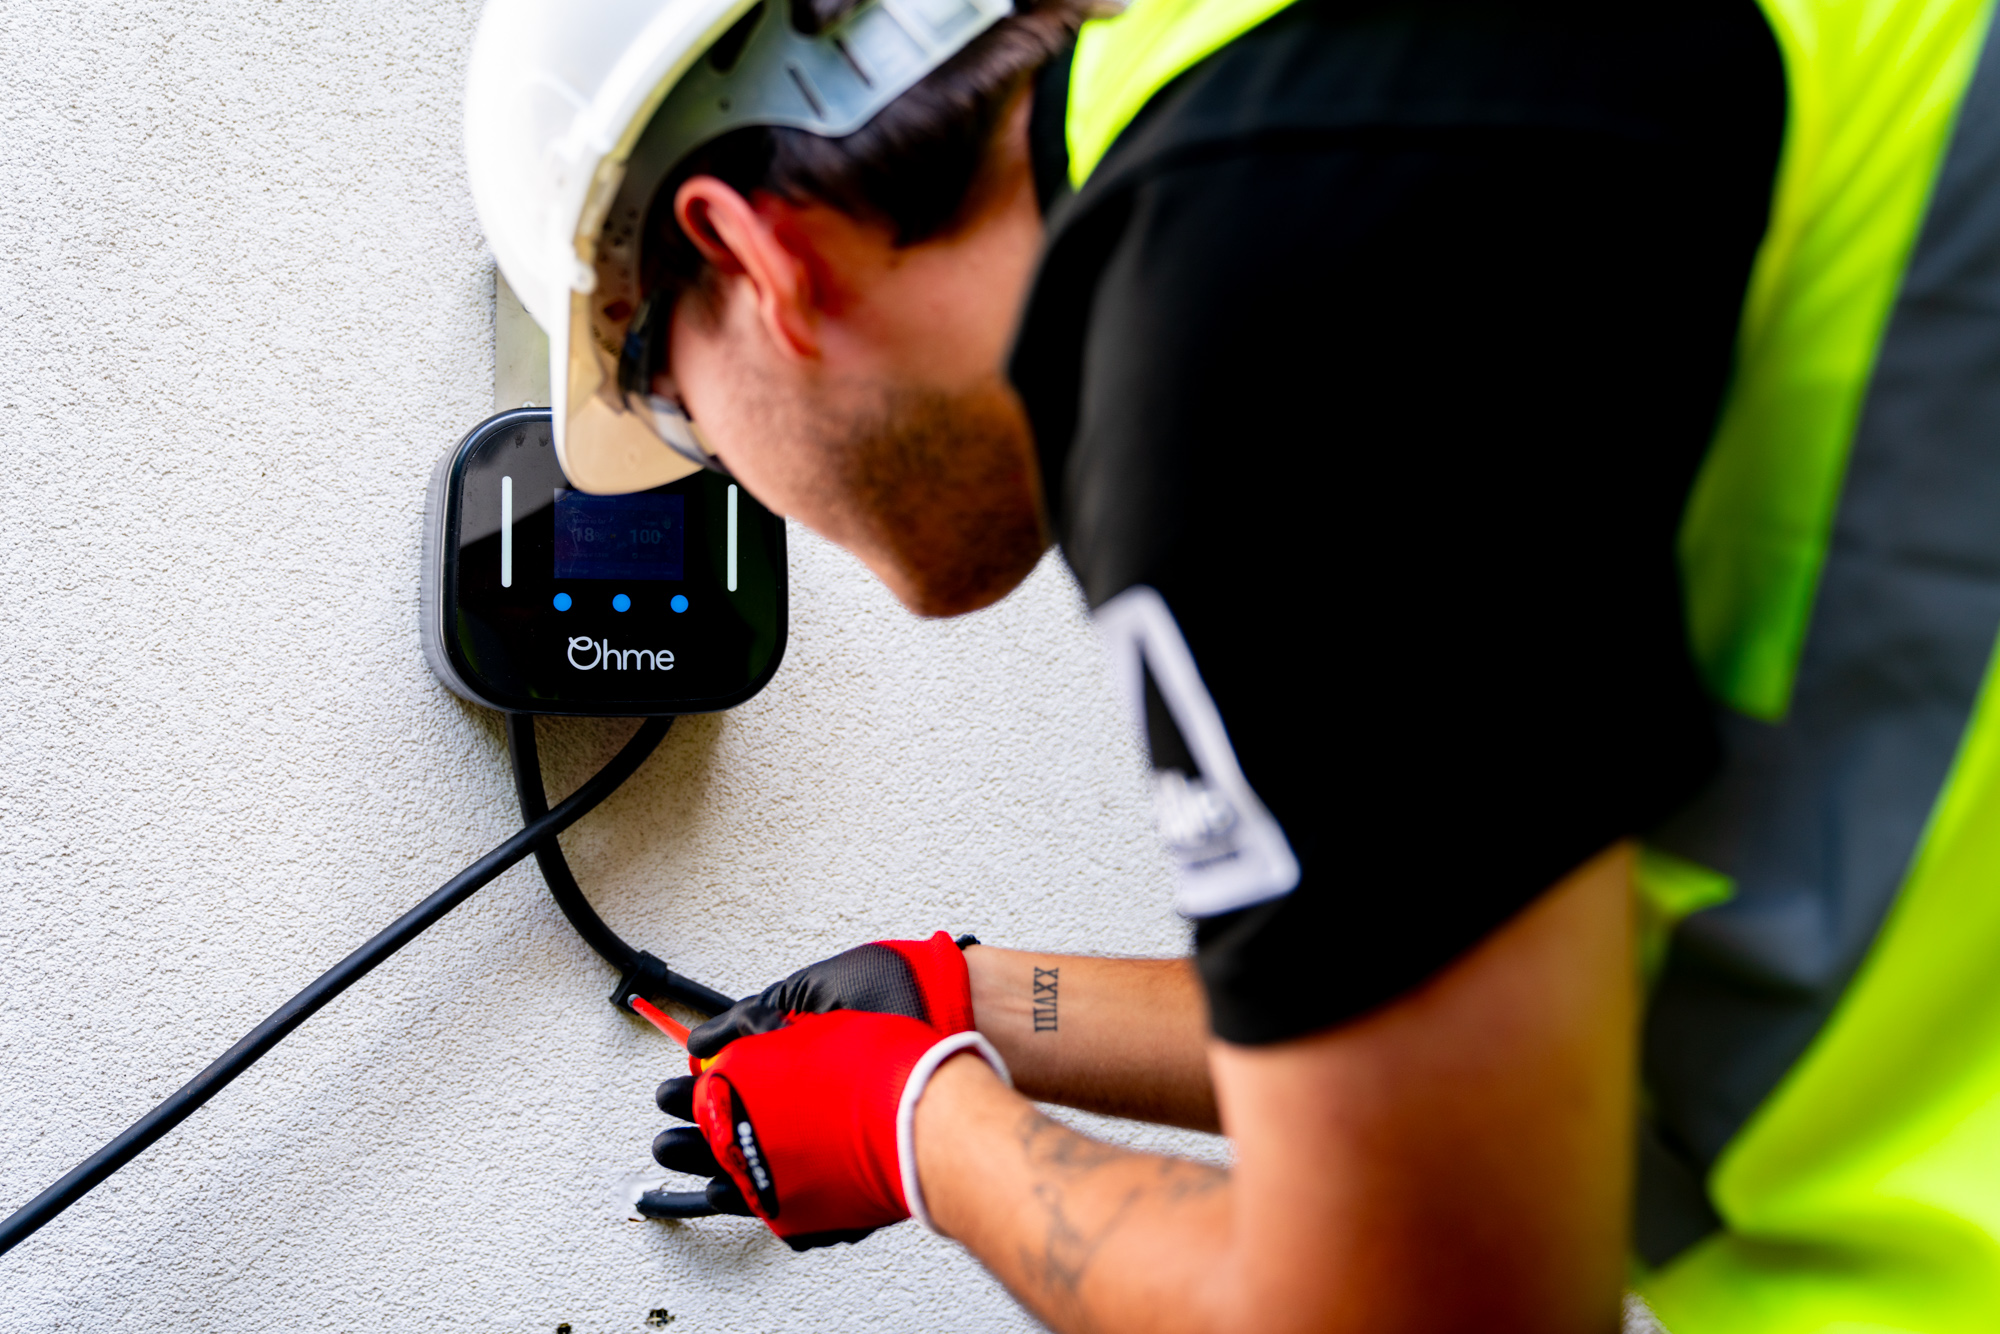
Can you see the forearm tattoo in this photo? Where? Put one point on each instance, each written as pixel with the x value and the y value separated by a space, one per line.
pixel 1060 1159
pixel 1045 999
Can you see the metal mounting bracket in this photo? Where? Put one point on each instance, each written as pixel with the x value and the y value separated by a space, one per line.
pixel 520 353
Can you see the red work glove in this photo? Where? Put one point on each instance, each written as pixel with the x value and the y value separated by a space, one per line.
pixel 808 1122
pixel 925 980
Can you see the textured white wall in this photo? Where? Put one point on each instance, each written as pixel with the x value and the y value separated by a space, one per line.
pixel 244 306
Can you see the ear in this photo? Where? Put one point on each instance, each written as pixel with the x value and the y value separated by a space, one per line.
pixel 743 242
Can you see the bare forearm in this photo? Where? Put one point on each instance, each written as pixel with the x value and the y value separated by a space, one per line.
pixel 1077 1230
pixel 1124 1036
pixel 1456 1159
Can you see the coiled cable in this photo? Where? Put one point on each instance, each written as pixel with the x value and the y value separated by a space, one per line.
pixel 644 975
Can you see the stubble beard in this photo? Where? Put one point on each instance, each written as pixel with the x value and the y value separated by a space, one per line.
pixel 937 491
pixel 943 493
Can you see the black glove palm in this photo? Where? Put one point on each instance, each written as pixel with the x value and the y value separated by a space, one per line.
pixel 925 980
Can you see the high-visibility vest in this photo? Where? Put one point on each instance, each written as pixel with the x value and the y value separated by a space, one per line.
pixel 1821 1147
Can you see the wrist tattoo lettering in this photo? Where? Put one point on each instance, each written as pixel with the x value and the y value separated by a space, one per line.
pixel 1044 998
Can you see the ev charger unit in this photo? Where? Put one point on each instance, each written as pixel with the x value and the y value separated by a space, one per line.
pixel 539 598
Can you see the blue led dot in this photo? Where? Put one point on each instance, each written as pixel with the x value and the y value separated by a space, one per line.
pixel 679 603
pixel 621 603
pixel 562 602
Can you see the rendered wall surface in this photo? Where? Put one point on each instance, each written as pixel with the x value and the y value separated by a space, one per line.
pixel 244 306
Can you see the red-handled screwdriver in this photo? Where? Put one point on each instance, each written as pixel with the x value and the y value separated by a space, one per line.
pixel 658 1018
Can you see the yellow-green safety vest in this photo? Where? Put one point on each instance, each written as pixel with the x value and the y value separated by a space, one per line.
pixel 1823 1038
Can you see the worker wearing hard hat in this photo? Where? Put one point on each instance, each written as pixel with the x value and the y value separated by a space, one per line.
pixel 1517 453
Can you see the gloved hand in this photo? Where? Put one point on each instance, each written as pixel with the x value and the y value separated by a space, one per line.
pixel 924 980
pixel 807 1121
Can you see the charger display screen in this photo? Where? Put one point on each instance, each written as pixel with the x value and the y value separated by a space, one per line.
pixel 632 537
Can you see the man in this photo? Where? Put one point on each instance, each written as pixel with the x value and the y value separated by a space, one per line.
pixel 1362 377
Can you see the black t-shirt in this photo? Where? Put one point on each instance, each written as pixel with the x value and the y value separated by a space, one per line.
pixel 1370 371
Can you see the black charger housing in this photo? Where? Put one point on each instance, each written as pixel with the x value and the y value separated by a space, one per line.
pixel 538 598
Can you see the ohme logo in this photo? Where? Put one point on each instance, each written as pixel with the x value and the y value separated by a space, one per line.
pixel 587 654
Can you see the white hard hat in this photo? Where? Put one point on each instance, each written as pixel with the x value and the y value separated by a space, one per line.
pixel 574 115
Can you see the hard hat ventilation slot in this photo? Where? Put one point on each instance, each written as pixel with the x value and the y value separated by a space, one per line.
pixel 813 17
pixel 840 45
pixel 806 90
pixel 728 48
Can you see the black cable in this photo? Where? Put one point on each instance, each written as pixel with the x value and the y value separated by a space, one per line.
pixel 643 974
pixel 675 1204
pixel 521 749
pixel 177 1108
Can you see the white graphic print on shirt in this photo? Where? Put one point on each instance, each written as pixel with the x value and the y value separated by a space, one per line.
pixel 1231 853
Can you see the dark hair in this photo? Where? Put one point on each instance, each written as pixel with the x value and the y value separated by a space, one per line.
pixel 911 167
